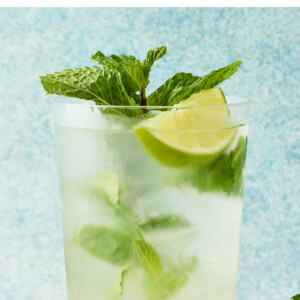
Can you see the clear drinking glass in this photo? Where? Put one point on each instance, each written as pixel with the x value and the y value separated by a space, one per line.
pixel 138 226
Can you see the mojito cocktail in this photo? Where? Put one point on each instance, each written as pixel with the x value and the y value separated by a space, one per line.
pixel 151 194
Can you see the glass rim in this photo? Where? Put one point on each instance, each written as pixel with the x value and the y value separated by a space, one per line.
pixel 66 101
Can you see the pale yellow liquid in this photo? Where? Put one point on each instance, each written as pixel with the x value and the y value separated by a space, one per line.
pixel 214 218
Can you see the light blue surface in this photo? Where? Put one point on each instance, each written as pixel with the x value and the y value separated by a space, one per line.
pixel 39 41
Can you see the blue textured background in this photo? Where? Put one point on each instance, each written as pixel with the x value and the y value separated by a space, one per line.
pixel 37 41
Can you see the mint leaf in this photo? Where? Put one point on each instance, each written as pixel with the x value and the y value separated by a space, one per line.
pixel 152 56
pixel 148 258
pixel 100 85
pixel 163 222
pixel 177 88
pixel 133 67
pixel 170 282
pixel 105 186
pixel 147 255
pixel 128 66
pixel 106 244
pixel 296 297
pixel 109 63
pixel 183 85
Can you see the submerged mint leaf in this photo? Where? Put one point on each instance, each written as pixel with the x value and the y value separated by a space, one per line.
pixel 168 285
pixel 296 297
pixel 182 85
pixel 147 255
pixel 239 157
pixel 225 174
pixel 170 282
pixel 148 258
pixel 106 244
pixel 105 186
pixel 100 85
pixel 163 222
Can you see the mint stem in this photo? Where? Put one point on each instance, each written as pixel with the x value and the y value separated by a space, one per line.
pixel 143 97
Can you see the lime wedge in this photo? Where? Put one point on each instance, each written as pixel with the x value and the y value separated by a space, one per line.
pixel 197 130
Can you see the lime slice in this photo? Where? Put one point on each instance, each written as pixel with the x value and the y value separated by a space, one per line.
pixel 197 130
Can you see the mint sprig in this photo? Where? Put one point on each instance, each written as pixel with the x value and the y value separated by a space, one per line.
pixel 296 297
pixel 122 77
